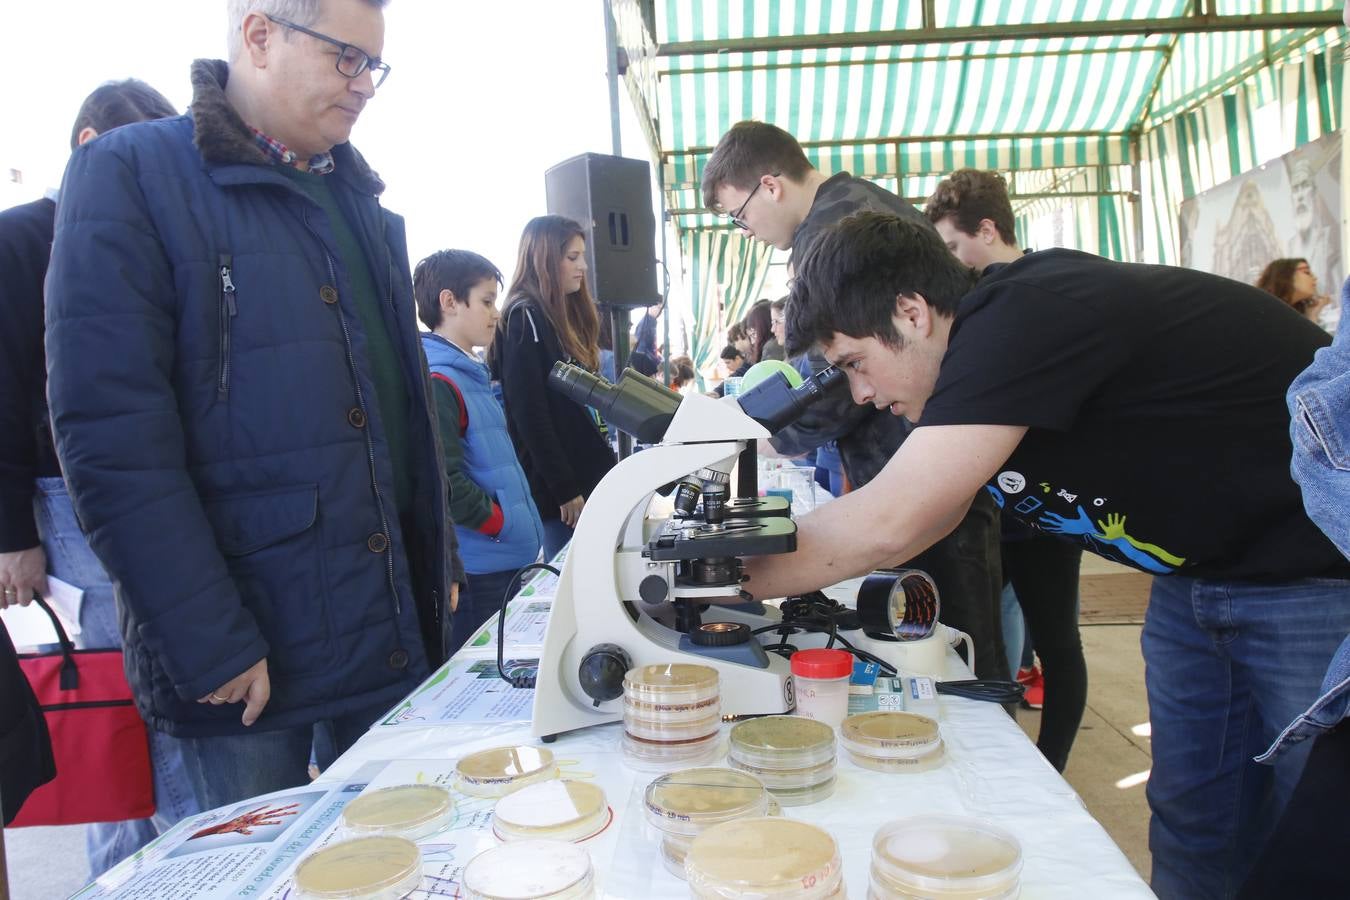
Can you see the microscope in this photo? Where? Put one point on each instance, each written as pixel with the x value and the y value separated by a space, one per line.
pixel 640 589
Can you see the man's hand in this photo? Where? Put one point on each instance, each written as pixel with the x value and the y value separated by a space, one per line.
pixel 22 573
pixel 570 511
pixel 253 688
pixel 454 596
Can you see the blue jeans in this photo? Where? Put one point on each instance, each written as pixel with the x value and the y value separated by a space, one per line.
pixel 556 536
pixel 230 768
pixel 1227 666
pixel 70 559
pixel 478 601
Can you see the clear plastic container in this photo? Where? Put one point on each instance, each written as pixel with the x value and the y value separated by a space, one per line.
pixel 672 732
pixel 501 770
pixel 664 756
pixel 670 685
pixel 946 857
pixel 820 678
pixel 557 810
pixel 901 765
pixel 380 867
pixel 681 805
pixel 530 870
pixel 672 712
pixel 889 734
pixel 413 811
pixel 782 742
pixel 784 859
pixel 671 717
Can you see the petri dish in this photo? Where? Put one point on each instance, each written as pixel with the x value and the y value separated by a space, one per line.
pixel 945 856
pixel 786 779
pixel 670 685
pixel 782 742
pixel 785 859
pixel 688 801
pixel 671 732
pixel 664 756
pixel 889 734
pixel 413 811
pixel 672 712
pixel 901 765
pixel 501 770
pixel 530 870
pixel 380 867
pixel 558 810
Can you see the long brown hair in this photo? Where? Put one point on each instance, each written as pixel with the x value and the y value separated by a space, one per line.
pixel 573 316
pixel 1278 279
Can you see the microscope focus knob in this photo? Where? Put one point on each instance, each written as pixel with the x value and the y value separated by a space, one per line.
pixel 602 670
pixel 720 634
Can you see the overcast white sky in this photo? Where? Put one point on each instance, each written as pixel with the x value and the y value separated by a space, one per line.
pixel 483 97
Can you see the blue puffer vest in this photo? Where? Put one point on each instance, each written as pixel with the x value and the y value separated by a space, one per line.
pixel 490 462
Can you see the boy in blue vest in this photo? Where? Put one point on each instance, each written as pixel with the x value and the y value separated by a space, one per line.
pixel 495 518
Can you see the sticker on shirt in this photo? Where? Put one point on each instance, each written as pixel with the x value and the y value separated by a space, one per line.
pixel 1106 536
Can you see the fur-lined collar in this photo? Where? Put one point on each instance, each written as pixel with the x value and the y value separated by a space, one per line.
pixel 223 138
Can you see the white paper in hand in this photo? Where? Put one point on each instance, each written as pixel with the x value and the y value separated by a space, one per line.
pixel 29 626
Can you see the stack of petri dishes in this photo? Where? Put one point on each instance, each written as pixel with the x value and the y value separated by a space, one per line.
pixel 671 716
pixel 944 858
pixel 379 867
pixel 413 811
pixel 556 810
pixel 782 859
pixel 530 870
pixel 682 805
pixel 501 770
pixel 896 742
pixel 793 756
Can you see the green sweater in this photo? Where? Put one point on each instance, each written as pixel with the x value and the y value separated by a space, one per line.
pixel 470 505
pixel 391 392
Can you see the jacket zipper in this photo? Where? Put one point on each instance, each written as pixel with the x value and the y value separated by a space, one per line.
pixel 228 310
pixel 370 442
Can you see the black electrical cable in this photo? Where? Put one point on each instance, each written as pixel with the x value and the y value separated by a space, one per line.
pixel 989 690
pixel 523 680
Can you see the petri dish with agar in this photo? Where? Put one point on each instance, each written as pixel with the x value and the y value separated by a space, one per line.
pixel 501 770
pixel 671 716
pixel 793 756
pixel 557 810
pixel 683 804
pixel 897 742
pixel 413 811
pixel 670 686
pixel 947 857
pixel 530 870
pixel 784 859
pixel 379 867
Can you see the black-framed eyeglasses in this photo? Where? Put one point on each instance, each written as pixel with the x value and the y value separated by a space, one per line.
pixel 351 59
pixel 735 217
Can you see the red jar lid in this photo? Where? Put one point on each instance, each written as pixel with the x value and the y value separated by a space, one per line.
pixel 822 663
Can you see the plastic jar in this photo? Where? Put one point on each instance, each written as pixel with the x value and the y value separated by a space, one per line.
pixel 785 859
pixel 413 811
pixel 501 770
pixel 897 742
pixel 681 805
pixel 793 756
pixel 671 716
pixel 381 867
pixel 530 870
pixel 945 858
pixel 557 810
pixel 821 683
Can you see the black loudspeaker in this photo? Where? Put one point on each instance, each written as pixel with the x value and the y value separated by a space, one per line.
pixel 612 199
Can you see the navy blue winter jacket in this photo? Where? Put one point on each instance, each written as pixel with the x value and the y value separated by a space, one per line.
pixel 216 422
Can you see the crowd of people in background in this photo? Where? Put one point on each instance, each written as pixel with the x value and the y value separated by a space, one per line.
pixel 288 505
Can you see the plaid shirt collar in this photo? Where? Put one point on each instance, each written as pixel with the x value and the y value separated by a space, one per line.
pixel 319 164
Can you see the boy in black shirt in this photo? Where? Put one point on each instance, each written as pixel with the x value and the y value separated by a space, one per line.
pixel 1135 410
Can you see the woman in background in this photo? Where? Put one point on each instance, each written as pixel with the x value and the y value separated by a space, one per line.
pixel 759 329
pixel 1293 282
pixel 550 317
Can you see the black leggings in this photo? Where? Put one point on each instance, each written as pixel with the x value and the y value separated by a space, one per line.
pixel 1044 573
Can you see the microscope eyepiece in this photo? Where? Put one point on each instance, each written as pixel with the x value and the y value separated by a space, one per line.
pixel 636 404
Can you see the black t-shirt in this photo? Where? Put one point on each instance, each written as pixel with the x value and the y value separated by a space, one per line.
pixel 1154 397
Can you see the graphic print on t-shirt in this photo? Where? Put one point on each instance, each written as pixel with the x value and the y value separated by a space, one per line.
pixel 1102 533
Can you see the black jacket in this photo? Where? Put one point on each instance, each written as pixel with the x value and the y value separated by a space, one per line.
pixel 25 437
pixel 25 749
pixel 559 442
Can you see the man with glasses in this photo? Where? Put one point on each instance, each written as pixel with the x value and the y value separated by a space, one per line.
pixel 759 177
pixel 240 405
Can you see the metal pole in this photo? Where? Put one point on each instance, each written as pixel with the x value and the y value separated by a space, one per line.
pixel 618 314
pixel 1137 197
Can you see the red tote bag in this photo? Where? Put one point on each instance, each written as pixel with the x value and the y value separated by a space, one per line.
pixel 98 738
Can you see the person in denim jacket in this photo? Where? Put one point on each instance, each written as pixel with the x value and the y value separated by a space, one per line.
pixel 1306 855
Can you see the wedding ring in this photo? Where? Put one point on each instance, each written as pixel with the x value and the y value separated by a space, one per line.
pixel 215 696
pixel 11 592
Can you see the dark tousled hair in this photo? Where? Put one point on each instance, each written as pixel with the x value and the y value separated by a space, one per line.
pixel 1278 279
pixel 746 153
pixel 849 280
pixel 969 196
pixel 761 320
pixel 454 270
pixel 119 103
